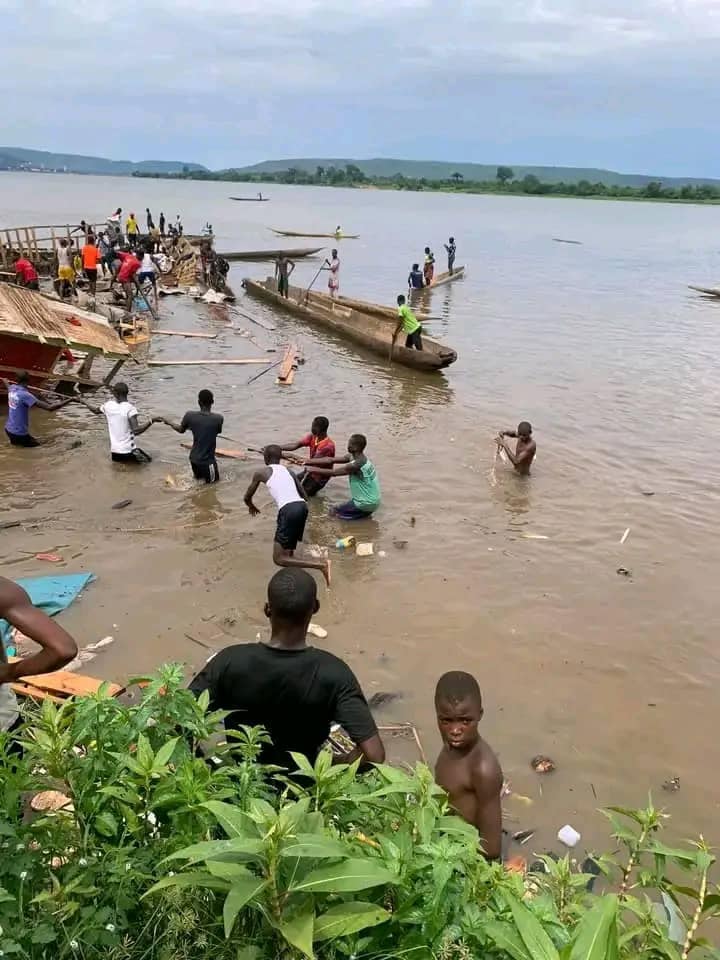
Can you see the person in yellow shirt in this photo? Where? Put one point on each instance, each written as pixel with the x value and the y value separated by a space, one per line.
pixel 132 230
pixel 408 322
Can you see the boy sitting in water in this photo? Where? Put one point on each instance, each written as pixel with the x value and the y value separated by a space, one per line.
pixel 467 767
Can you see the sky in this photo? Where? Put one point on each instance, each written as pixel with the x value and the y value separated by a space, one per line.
pixel 630 85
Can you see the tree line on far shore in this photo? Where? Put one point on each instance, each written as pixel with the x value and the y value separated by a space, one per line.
pixel 505 182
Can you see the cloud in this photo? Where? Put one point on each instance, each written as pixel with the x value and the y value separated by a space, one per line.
pixel 235 82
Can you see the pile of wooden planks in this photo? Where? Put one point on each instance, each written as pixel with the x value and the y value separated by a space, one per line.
pixel 288 366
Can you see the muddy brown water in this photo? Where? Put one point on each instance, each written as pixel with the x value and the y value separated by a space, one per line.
pixel 600 345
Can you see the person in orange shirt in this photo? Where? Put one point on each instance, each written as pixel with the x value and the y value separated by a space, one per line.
pixel 90 260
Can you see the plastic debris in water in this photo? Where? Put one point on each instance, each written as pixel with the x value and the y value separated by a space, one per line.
pixel 542 764
pixel 314 630
pixel 568 835
pixel 672 786
pixel 522 836
pixel 364 550
pixel 49 557
pixel 624 537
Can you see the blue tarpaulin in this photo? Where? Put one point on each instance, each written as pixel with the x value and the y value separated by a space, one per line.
pixel 50 594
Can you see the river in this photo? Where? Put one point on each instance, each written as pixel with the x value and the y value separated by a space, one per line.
pixel 599 344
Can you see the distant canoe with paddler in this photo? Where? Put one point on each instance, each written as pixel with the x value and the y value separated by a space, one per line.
pixel 251 199
pixel 331 236
pixel 371 326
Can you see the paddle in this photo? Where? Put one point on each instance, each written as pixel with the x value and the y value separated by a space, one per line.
pixel 149 305
pixel 258 375
pixel 326 262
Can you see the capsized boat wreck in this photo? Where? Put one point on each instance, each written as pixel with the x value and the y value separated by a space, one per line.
pixel 36 333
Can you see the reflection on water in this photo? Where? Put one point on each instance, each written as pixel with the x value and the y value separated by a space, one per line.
pixel 598 345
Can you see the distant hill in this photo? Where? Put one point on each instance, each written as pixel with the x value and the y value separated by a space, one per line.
pixel 440 170
pixel 17 158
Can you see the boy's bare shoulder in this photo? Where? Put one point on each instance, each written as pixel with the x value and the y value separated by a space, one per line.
pixel 486 768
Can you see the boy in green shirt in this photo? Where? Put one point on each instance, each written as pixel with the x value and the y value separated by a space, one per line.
pixel 361 474
pixel 408 322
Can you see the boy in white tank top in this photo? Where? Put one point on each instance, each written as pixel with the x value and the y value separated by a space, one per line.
pixel 291 501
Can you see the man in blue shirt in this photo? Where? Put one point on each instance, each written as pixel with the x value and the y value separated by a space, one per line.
pixel 416 281
pixel 19 402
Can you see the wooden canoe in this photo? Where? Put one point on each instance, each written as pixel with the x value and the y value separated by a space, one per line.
pixel 707 291
pixel 251 199
pixel 332 236
pixel 297 253
pixel 373 330
pixel 440 279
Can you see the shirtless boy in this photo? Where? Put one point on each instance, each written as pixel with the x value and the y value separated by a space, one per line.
pixel 467 767
pixel 524 453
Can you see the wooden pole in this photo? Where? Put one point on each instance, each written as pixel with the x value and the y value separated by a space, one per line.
pixel 199 363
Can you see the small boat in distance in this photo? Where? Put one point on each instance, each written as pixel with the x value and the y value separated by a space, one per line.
pixel 331 236
pixel 259 199
pixel 369 325
pixel 296 253
pixel 706 291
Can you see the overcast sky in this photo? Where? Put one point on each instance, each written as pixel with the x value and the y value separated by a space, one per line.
pixel 628 84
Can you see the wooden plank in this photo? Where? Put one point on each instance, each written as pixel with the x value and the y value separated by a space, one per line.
pixel 224 452
pixel 184 333
pixel 200 363
pixel 63 682
pixel 286 374
pixel 50 375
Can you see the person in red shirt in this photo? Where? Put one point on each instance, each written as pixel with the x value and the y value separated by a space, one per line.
pixel 320 445
pixel 129 266
pixel 90 260
pixel 26 274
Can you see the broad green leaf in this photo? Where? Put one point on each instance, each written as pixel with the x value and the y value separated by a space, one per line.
pixel 303 765
pixel 538 943
pixel 293 814
pixel 163 755
pixel 144 752
pixel 262 812
pixel 228 871
pixel 345 877
pixel 237 849
pixel 193 878
pixel 627 812
pixel 241 893
pixel 298 931
pixel 105 824
pixel 234 822
pixel 711 901
pixel 661 850
pixel 347 918
pixel 596 936
pixel 313 845
pixel 248 953
pixel 457 825
pixel 507 939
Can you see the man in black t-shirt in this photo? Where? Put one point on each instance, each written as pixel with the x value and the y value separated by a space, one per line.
pixel 205 427
pixel 296 692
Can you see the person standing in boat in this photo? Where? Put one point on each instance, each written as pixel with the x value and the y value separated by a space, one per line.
pixel 338 232
pixel 284 487
pixel 416 281
pixel 450 247
pixel 362 477
pixel 429 267
pixel 161 224
pixel 19 401
pixel 333 266
pixel 408 322
pixel 283 268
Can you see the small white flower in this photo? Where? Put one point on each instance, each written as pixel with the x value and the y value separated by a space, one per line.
pixel 172 873
pixel 127 868
pixel 82 862
pixel 19 846
pixel 23 875
pixel 74 945
pixel 110 927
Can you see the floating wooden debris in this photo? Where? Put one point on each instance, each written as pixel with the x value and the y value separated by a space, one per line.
pixel 223 452
pixel 186 333
pixel 60 685
pixel 289 363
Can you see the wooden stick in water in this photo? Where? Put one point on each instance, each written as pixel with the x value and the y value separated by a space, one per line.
pixel 201 363
pixel 262 372
pixel 184 333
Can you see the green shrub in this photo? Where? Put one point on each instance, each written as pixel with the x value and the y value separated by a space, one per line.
pixel 164 856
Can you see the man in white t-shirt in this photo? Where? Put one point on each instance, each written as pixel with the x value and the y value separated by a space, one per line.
pixel 123 427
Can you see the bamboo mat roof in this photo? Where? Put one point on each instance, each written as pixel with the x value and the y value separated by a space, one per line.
pixel 29 315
